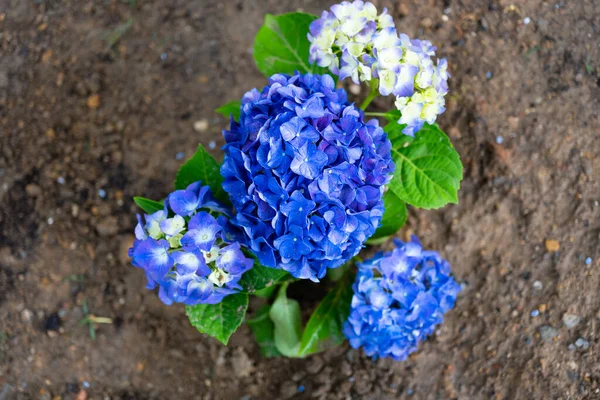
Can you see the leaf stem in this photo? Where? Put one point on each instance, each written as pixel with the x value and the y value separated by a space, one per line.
pixel 376 114
pixel 372 94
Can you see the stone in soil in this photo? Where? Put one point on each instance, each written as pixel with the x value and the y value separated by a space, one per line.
pixel 52 323
pixel 108 226
pixel 288 390
pixel 242 365
pixel 571 320
pixel 548 333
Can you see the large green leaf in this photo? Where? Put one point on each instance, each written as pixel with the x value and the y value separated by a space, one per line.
pixel 231 108
pixel 281 45
pixel 202 167
pixel 394 216
pixel 261 277
pixel 285 314
pixel 264 330
pixel 325 326
pixel 219 320
pixel 147 205
pixel 428 168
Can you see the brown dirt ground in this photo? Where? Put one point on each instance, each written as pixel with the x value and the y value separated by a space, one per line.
pixel 103 95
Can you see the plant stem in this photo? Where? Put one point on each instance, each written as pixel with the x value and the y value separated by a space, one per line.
pixel 372 94
pixel 376 114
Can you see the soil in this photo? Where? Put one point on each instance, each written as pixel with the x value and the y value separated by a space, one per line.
pixel 101 101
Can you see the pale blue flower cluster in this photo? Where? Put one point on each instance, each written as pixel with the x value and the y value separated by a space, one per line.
pixel 399 299
pixel 180 248
pixel 353 41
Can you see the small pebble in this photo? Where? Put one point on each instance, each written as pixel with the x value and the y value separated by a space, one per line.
pixel 50 220
pixel 582 343
pixel 572 347
pixel 571 320
pixel 26 315
pixel 527 20
pixel 552 245
pixel 548 333
pixel 212 145
pixel 33 190
pixel 409 392
pixel 102 193
pixel 201 125
pixel 499 139
pixel 163 56
pixel 537 285
pixel 52 322
pixel 179 155
pixel 60 180
pixel 535 313
pixel 588 261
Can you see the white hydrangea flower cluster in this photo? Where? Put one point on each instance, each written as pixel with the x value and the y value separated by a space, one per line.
pixel 353 41
pixel 342 36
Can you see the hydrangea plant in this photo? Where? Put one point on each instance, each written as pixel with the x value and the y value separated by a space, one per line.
pixel 308 180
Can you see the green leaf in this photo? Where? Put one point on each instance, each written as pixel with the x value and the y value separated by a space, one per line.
pixel 231 108
pixel 219 320
pixel 264 330
pixel 394 216
pixel 428 168
pixel 285 314
pixel 325 326
pixel 281 45
pixel 147 205
pixel 261 277
pixel 202 167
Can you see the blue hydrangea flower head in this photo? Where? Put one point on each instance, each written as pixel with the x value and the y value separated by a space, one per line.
pixel 399 299
pixel 182 250
pixel 353 41
pixel 305 174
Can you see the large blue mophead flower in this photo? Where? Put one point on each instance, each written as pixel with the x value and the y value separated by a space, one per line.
pixel 181 250
pixel 305 174
pixel 399 298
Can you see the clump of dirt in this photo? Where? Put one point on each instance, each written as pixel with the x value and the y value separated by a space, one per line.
pixel 101 101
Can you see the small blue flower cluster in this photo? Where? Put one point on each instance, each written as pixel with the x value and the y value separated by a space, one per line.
pixel 180 248
pixel 305 174
pixel 353 41
pixel 399 298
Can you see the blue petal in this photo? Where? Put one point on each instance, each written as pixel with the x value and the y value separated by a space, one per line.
pixel 232 260
pixel 153 256
pixel 184 202
pixel 188 262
